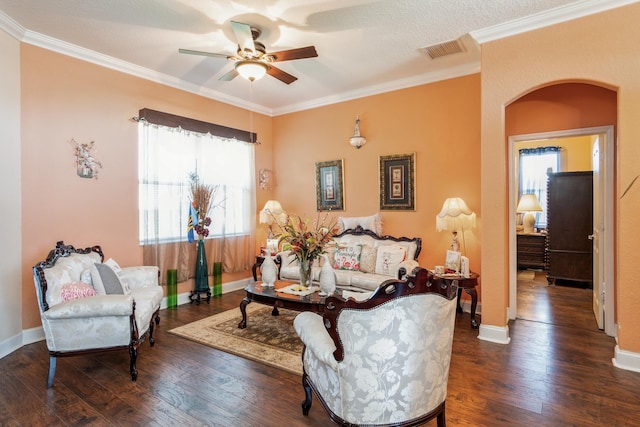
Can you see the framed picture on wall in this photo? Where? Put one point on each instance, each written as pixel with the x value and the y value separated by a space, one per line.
pixel 330 185
pixel 397 182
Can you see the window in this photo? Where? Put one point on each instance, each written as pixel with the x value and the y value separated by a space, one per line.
pixel 167 156
pixel 535 163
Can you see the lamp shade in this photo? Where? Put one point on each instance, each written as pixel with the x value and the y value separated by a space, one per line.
pixel 272 209
pixel 528 203
pixel 251 69
pixel 455 215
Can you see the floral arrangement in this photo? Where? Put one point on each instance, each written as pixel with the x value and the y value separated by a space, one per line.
pixel 305 238
pixel 202 196
pixel 87 166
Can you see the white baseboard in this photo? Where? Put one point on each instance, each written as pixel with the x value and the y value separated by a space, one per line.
pixel 10 345
pixel 626 360
pixel 496 334
pixel 29 336
pixel 226 287
pixel 466 307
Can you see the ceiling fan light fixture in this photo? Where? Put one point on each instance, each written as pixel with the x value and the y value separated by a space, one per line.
pixel 251 69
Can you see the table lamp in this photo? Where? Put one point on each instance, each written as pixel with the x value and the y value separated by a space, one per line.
pixel 528 204
pixel 455 216
pixel 272 212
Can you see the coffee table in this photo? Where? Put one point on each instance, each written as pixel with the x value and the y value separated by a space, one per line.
pixel 270 296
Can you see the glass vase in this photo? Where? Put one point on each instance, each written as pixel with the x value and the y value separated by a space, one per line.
pixel 217 279
pixel 306 273
pixel 172 289
pixel 202 271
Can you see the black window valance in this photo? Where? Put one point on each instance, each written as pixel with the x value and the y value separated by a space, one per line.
pixel 172 120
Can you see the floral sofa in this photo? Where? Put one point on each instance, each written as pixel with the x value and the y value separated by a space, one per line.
pixel 361 259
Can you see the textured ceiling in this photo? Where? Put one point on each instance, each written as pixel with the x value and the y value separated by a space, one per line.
pixel 364 46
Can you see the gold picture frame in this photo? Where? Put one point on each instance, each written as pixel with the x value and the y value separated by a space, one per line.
pixel 397 182
pixel 330 185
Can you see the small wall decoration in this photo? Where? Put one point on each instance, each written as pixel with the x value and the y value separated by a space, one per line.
pixel 397 182
pixel 266 179
pixel 86 165
pixel 330 185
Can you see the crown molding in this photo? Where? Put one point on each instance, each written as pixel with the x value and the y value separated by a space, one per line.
pixel 11 27
pixel 517 26
pixel 546 18
pixel 436 76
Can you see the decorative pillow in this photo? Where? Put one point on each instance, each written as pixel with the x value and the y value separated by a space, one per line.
pixel 368 259
pixel 76 290
pixel 104 277
pixel 347 257
pixel 116 269
pixel 388 258
pixel 373 223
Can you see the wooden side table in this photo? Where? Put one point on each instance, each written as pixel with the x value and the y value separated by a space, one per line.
pixel 469 285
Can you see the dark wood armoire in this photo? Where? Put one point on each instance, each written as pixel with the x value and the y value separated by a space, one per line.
pixel 570 227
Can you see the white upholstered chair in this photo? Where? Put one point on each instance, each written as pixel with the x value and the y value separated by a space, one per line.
pixel 385 360
pixel 83 310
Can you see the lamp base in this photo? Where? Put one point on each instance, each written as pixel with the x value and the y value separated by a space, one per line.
pixel 529 222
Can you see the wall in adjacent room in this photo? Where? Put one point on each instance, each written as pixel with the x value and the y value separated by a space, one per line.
pixel 10 197
pixel 65 98
pixel 438 121
pixel 517 65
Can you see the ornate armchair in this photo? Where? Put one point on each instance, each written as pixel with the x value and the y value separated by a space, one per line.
pixel 86 307
pixel 382 361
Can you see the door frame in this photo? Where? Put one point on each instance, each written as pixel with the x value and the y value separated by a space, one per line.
pixel 609 202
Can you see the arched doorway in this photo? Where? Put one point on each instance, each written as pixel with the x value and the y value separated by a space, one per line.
pixel 560 110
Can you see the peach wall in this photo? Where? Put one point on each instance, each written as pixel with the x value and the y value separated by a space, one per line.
pixel 575 152
pixel 65 98
pixel 601 49
pixel 438 121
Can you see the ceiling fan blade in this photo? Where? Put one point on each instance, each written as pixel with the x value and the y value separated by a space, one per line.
pixel 299 53
pixel 281 75
pixel 199 52
pixel 243 36
pixel 232 74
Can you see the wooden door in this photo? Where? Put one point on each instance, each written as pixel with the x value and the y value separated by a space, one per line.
pixel 570 226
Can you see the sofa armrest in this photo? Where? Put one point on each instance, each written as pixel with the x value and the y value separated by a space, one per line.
pixel 141 276
pixel 310 328
pixel 92 307
pixel 405 268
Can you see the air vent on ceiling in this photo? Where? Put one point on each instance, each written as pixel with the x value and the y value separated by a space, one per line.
pixel 444 49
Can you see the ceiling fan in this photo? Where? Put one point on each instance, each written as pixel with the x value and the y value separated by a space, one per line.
pixel 252 60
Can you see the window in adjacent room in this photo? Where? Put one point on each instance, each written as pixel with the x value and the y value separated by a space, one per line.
pixel 534 165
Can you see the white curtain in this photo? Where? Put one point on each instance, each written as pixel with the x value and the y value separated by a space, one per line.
pixel 166 158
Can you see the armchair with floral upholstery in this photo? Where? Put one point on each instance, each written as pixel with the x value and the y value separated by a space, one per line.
pixel 385 360
pixel 89 306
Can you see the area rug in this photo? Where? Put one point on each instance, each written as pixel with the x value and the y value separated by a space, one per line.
pixel 266 339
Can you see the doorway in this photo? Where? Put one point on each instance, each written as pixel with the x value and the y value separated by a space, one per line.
pixel 603 284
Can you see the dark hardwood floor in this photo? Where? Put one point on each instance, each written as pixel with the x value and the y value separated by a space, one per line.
pixel 549 375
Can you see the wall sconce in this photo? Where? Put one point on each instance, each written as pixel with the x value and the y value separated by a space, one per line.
pixel 528 204
pixel 356 140
pixel 455 216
